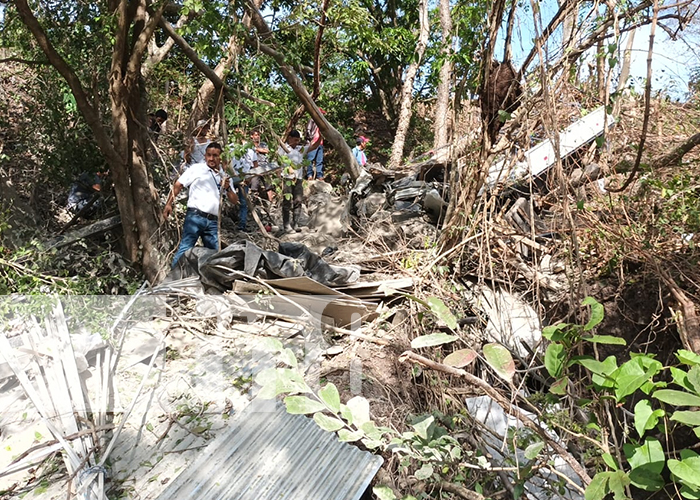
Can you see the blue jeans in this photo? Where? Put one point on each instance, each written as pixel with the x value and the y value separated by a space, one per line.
pixel 194 227
pixel 315 156
pixel 242 190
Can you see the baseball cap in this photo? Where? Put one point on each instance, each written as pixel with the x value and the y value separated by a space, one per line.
pixel 363 139
pixel 201 123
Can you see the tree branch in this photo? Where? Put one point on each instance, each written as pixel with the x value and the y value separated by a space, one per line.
pixel 202 66
pixel 91 114
pixel 134 65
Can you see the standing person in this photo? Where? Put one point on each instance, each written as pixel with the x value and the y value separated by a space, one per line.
pixel 257 182
pixel 293 179
pixel 195 150
pixel 242 168
pixel 359 150
pixel 204 181
pixel 315 156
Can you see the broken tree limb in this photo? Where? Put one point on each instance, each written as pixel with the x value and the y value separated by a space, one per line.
pixel 507 406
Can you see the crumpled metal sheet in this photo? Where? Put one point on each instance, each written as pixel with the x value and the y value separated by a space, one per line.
pixel 269 454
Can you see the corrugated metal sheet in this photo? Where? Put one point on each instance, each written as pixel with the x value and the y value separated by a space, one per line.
pixel 274 455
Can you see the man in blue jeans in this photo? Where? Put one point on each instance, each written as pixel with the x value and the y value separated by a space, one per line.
pixel 204 181
pixel 315 156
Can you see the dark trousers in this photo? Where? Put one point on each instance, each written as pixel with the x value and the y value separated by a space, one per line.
pixel 295 188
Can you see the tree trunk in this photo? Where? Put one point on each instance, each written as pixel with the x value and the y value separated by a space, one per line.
pixel 443 116
pixel 407 89
pixel 124 151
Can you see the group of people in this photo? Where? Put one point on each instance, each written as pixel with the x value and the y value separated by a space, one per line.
pixel 204 175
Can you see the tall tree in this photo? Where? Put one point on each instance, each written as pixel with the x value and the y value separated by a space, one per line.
pixel 124 143
pixel 443 115
pixel 405 110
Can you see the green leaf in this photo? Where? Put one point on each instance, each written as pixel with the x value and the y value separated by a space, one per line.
pixel 287 357
pixel 602 370
pixel 432 340
pixel 371 430
pixel 557 332
pixel 275 381
pixel 330 424
pixel 677 398
pixel 694 378
pixel 690 493
pixel 644 417
pixel 680 377
pixel 439 309
pixel 500 360
pixel 532 451
pixel 346 413
pixel 301 405
pixel 610 461
pixel 422 427
pixel 269 344
pixel 597 313
pixel 634 374
pixel 461 358
pixel 424 472
pixel 330 396
pixel 346 436
pixel 605 339
pixel 383 493
pixel 687 417
pixel 560 386
pixel 688 357
pixel 359 408
pixel 617 483
pixel 598 487
pixel 647 462
pixel 554 359
pixel 687 469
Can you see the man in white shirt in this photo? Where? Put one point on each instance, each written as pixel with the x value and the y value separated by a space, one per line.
pixel 292 179
pixel 204 181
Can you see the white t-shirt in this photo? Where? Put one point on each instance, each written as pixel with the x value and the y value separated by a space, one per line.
pixel 203 184
pixel 297 156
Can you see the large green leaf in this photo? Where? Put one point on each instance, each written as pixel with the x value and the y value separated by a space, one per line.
pixel 688 357
pixel 347 436
pixel 602 370
pixel 687 417
pixel 687 469
pixel 677 398
pixel 694 378
pixel 500 360
pixel 554 359
pixel 422 427
pixel 634 374
pixel 301 405
pixel 432 340
pixel 680 377
pixel 597 313
pixel 645 417
pixel 647 462
pixel 359 408
pixel 618 483
pixel 598 487
pixel 330 424
pixel 330 396
pixel 460 358
pixel 439 309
